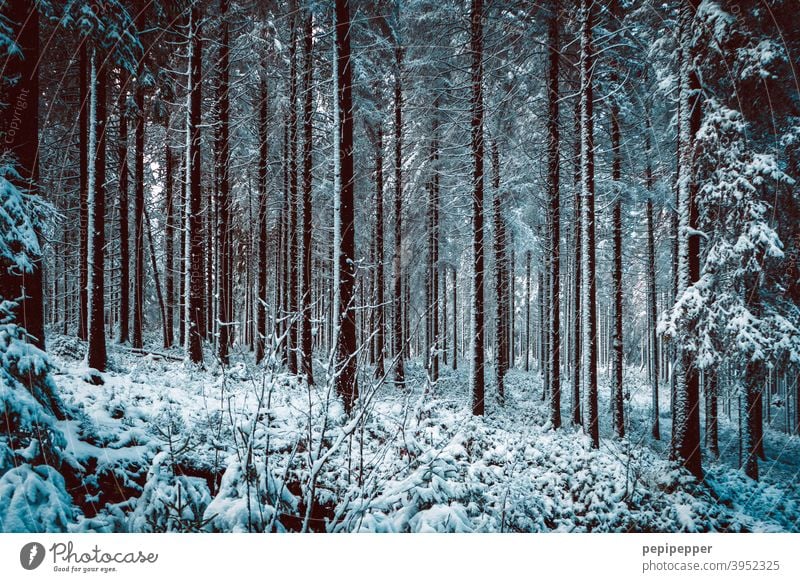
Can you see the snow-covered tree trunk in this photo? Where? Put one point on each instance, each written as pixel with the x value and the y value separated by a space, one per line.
pixel 652 315
pixel 686 413
pixel 346 379
pixel 195 279
pixel 96 352
pixel 477 379
pixel 83 194
pixel 500 278
pixel 398 347
pixel 617 399
pixel 577 233
pixel 380 315
pixel 169 242
pixel 589 287
pixel 225 315
pixel 292 336
pixel 123 331
pixel 263 211
pixel 306 347
pixel 137 339
pixel 433 249
pixel 554 218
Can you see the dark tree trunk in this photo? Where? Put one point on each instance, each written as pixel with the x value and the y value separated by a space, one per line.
pixel 263 207
pixel 554 213
pixel 305 355
pixel 96 354
pixel 397 262
pixel 477 379
pixel 501 279
pixel 455 320
pixel 224 274
pixel 652 311
pixel 169 247
pixel 380 323
pixel 293 247
pixel 589 299
pixel 346 379
pixel 527 311
pixel 123 335
pixel 195 284
pixel 138 197
pixel 577 355
pixel 83 163
pixel 433 249
pixel 617 401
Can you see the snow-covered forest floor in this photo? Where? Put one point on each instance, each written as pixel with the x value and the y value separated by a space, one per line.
pixel 162 446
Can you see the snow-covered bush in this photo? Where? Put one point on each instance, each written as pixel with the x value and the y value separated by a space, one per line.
pixel 249 500
pixel 170 502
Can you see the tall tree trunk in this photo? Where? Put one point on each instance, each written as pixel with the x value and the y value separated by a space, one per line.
pixel 554 212
pixel 527 310
pixel 589 288
pixel 138 195
pixel 263 208
pixel 617 400
pixel 398 347
pixel 195 283
pixel 501 279
pixel 433 247
pixel 477 379
pixel 380 333
pixel 305 355
pixel 652 309
pixel 123 334
pixel 96 354
pixel 577 353
pixel 346 378
pixel 224 274
pixel 455 320
pixel 686 413
pixel 293 246
pixel 169 245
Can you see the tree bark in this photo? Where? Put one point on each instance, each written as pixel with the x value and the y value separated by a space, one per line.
pixel 589 288
pixel 224 274
pixel 397 266
pixel 554 212
pixel 96 353
pixel 195 283
pixel 123 334
pixel 138 195
pixel 305 355
pixel 263 208
pixel 346 379
pixel 477 379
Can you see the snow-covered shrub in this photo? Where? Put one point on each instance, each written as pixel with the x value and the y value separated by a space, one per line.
pixel 249 500
pixel 33 496
pixel 34 499
pixel 170 502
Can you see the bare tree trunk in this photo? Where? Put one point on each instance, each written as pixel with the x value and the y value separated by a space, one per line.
pixel 224 274
pixel 346 379
pixel 169 249
pixel 589 288
pixel 477 379
pixel 123 334
pixel 380 334
pixel 617 400
pixel 96 354
pixel 577 355
pixel 554 212
pixel 195 284
pixel 138 195
pixel 263 207
pixel 652 310
pixel 305 355
pixel 397 262
pixel 501 279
